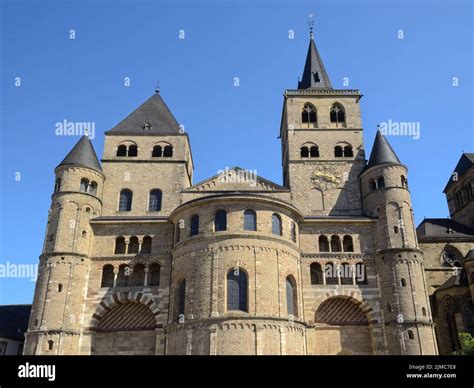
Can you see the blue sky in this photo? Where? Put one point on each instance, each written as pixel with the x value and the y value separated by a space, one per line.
pixel 82 79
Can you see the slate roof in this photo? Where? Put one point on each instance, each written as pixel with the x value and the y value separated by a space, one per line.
pixel 314 73
pixel 382 152
pixel 438 228
pixel 465 163
pixel 83 155
pixel 153 117
pixel 14 321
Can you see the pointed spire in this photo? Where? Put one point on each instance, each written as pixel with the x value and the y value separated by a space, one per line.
pixel 382 152
pixel 314 73
pixel 82 155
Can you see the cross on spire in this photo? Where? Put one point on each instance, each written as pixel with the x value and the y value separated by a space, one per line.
pixel 311 26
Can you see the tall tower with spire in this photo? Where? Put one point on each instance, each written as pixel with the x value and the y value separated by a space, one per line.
pixel 321 139
pixel 57 312
pixel 405 304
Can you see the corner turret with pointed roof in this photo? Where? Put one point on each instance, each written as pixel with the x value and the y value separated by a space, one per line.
pixel 382 152
pixel 314 73
pixel 82 155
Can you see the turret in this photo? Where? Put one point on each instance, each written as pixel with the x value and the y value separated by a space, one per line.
pixel 404 298
pixel 63 268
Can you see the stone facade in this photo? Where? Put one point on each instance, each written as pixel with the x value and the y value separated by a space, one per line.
pixel 327 263
pixel 448 246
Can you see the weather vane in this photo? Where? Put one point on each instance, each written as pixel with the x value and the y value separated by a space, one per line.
pixel 311 25
pixel 157 88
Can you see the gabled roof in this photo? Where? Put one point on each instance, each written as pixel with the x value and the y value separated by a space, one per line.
pixel 14 321
pixel 314 73
pixel 236 179
pixel 153 117
pixel 382 152
pixel 443 228
pixel 82 155
pixel 465 163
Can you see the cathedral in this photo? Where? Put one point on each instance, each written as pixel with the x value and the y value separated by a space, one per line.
pixel 140 260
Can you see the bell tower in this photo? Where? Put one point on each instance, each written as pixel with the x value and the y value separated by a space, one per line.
pixel 322 146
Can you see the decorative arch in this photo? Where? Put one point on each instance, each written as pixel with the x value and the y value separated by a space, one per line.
pixel 338 318
pixel 337 114
pixel 309 114
pixel 162 149
pixel 347 294
pixel 116 300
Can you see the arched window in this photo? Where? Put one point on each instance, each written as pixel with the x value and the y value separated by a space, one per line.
pixel 181 300
pixel 308 114
pixel 276 225
pixel 194 225
pixel 60 287
pixel 330 273
pixel 348 151
pixel 314 152
pixel 50 345
pixel 423 311
pixel 346 273
pixel 133 245
pixel 237 290
pixel 93 188
pixel 403 282
pixel 120 246
pixel 107 276
pixel 250 220
pixel 451 256
pixel 291 297
pixel 389 307
pixel 337 114
pixel 404 181
pixel 168 151
pixel 360 274
pixel 125 200
pixel 154 275
pixel 220 221
pixel 177 234
pixel 316 273
pixel 57 185
pixel 380 182
pixel 154 201
pixel 335 244
pixel 157 152
pixel 323 244
pixel 146 244
pixel 347 244
pixel 137 277
pixel 122 150
pixel 338 152
pixel 304 152
pixel 293 231
pixel 132 150
pixel 84 185
pixel 123 276
pixel 411 335
pixel 448 307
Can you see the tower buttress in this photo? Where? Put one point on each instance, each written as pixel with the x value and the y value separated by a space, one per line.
pixel 55 321
pixel 404 297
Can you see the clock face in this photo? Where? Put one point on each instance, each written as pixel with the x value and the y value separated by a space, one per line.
pixel 326 176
